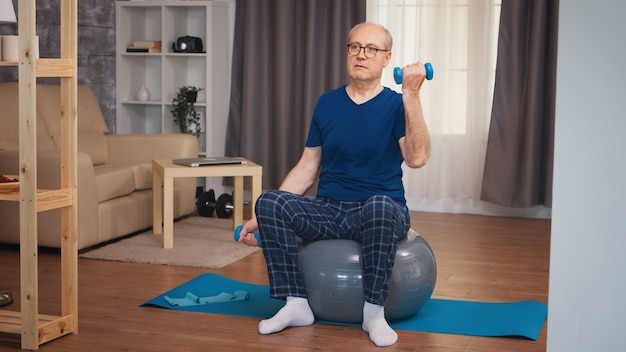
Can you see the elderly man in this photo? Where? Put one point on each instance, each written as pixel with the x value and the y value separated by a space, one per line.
pixel 359 136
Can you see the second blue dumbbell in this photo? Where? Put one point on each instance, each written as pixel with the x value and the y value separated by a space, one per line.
pixel 238 230
pixel 397 73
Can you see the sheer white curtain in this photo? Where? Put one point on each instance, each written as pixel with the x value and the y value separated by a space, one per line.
pixel 459 38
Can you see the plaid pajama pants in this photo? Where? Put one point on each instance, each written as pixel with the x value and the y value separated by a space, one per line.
pixel 378 223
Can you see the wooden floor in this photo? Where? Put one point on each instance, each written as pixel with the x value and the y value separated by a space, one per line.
pixel 478 258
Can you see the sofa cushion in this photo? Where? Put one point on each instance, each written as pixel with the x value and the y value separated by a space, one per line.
pixel 114 181
pixel 94 144
pixel 89 114
pixel 9 132
pixel 90 119
pixel 91 124
pixel 143 176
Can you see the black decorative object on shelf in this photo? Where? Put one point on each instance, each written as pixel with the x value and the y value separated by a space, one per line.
pixel 188 44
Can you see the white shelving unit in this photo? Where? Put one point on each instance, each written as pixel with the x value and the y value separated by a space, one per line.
pixel 165 72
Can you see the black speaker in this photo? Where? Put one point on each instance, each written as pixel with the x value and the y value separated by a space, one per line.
pixel 188 44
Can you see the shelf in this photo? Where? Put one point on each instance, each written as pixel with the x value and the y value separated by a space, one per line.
pixel 49 327
pixel 173 54
pixel 34 328
pixel 48 67
pixel 139 102
pixel 46 199
pixel 141 54
pixel 166 72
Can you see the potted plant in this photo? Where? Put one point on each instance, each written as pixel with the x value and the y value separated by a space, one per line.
pixel 184 110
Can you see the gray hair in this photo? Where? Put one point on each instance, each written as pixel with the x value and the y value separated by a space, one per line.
pixel 388 37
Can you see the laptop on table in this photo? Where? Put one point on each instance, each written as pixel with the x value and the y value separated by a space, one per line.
pixel 209 161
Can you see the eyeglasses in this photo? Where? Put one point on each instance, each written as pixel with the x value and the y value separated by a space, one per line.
pixel 370 51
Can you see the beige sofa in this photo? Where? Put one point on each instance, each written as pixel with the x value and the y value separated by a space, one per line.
pixel 114 171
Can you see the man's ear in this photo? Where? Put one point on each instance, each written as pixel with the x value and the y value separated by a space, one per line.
pixel 387 59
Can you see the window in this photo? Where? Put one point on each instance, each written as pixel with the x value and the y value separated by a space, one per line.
pixel 460 39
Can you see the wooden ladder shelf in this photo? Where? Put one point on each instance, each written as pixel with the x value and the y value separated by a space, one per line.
pixel 35 328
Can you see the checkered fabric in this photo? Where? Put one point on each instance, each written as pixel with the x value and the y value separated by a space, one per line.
pixel 378 223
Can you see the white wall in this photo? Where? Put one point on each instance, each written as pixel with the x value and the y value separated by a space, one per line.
pixel 587 298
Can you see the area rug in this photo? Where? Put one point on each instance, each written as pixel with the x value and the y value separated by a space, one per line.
pixel 518 319
pixel 198 242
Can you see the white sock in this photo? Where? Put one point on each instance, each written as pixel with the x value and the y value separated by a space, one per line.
pixel 376 326
pixel 296 312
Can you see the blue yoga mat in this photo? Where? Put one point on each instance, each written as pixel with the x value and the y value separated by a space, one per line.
pixel 520 319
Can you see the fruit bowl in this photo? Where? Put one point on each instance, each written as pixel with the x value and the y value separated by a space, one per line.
pixel 9 183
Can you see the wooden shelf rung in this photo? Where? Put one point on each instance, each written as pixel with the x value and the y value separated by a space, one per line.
pixel 13 196
pixel 54 68
pixel 54 199
pixel 54 327
pixel 46 199
pixel 48 67
pixel 10 322
pixel 49 327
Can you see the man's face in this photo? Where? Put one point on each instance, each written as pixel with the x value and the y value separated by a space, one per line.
pixel 363 68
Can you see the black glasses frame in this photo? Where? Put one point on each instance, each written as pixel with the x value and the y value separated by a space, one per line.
pixel 369 51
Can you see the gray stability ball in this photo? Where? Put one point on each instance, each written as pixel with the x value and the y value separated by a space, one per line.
pixel 333 276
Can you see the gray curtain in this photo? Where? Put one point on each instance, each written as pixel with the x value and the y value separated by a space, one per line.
pixel 286 53
pixel 518 164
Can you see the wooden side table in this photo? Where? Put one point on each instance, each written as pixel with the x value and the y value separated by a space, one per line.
pixel 163 173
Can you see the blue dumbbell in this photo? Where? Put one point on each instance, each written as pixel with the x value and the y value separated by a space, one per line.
pixel 238 230
pixel 397 73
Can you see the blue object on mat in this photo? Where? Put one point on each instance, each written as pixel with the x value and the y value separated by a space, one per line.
pixel 260 305
pixel 223 297
pixel 523 319
pixel 191 300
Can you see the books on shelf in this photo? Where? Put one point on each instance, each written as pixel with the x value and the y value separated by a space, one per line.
pixel 147 43
pixel 144 46
pixel 140 49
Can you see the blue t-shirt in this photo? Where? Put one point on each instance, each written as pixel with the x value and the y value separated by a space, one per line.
pixel 360 152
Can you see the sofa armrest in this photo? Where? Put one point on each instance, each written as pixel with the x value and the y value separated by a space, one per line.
pixel 142 148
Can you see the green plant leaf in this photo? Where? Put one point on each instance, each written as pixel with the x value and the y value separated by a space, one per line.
pixel 184 112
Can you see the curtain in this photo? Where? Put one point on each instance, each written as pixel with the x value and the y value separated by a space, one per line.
pixel 286 54
pixel 518 165
pixel 459 38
